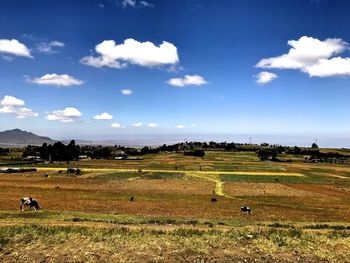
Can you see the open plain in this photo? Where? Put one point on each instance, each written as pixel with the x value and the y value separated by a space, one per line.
pixel 300 210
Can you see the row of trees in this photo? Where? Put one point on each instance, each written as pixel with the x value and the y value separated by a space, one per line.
pixel 61 152
pixel 54 152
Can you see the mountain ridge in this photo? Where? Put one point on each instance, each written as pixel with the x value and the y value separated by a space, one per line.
pixel 20 137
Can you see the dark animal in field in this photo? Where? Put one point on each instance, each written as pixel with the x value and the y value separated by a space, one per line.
pixel 214 200
pixel 132 199
pixel 246 209
pixel 29 201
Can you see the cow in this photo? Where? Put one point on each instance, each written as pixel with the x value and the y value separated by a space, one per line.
pixel 29 201
pixel 246 209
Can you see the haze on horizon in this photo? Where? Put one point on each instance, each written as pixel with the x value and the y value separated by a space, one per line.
pixel 107 69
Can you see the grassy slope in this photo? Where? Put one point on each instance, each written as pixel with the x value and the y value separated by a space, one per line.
pixel 80 237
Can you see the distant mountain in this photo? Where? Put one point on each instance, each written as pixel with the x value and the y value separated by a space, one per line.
pixel 18 137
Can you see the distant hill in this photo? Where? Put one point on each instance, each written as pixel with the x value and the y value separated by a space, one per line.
pixel 18 137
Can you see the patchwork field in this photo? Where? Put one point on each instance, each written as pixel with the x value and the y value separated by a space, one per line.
pixel 296 207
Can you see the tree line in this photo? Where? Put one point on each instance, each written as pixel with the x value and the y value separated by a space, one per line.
pixel 61 152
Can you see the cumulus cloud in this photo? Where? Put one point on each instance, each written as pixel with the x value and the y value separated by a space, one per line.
pixel 103 116
pixel 180 126
pixel 14 47
pixel 312 56
pixel 11 101
pixel 138 124
pixel 56 80
pixel 188 80
pixel 117 125
pixel 69 114
pixel 144 54
pixel 50 47
pixel 153 125
pixel 265 77
pixel 126 91
pixel 10 104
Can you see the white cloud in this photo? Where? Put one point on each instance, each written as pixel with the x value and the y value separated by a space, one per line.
pixel 135 3
pixel 144 54
pixel 126 91
pixel 66 115
pixel 56 80
pixel 11 101
pixel 187 81
pixel 336 66
pixel 145 4
pixel 153 125
pixel 14 47
pixel 103 116
pixel 312 56
pixel 117 125
pixel 265 77
pixel 138 124
pixel 10 104
pixel 50 47
pixel 129 3
pixel 180 126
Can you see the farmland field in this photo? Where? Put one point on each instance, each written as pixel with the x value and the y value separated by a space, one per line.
pixel 301 210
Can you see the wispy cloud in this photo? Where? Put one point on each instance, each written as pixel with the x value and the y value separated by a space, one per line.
pixel 126 91
pixel 188 80
pixel 136 4
pixel 313 57
pixel 153 125
pixel 50 47
pixel 55 80
pixel 144 54
pixel 138 124
pixel 180 126
pixel 13 105
pixel 14 47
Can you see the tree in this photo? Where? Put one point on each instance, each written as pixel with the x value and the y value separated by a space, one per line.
pixel 263 155
pixel 314 146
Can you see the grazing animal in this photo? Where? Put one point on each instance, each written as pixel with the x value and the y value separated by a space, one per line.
pixel 29 201
pixel 246 209
pixel 214 200
pixel 132 199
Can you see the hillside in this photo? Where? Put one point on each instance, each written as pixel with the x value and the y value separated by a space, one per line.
pixel 18 137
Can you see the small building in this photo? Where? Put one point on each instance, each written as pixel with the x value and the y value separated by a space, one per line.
pixel 84 157
pixel 32 157
pixel 120 155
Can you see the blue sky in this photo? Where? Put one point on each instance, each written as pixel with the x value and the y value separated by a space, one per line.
pixel 231 67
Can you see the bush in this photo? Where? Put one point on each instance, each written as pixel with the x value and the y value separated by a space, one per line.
pixel 195 153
